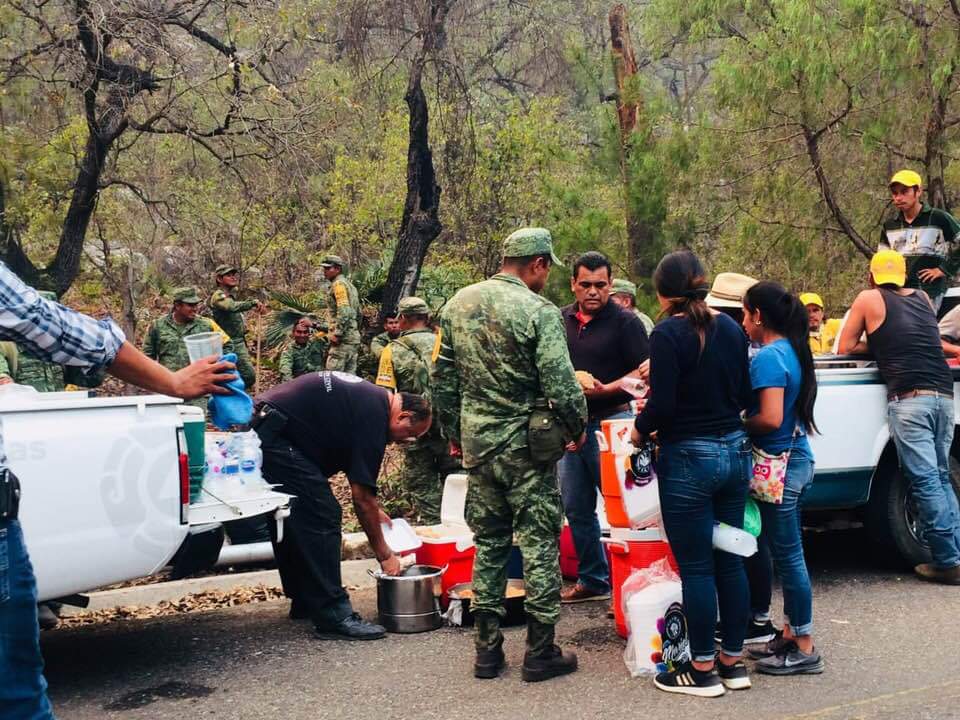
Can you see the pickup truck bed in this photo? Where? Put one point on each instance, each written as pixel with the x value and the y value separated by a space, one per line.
pixel 105 497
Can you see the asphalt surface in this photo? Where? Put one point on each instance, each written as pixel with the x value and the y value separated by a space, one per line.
pixel 890 644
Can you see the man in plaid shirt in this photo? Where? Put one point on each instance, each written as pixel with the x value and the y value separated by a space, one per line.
pixel 57 334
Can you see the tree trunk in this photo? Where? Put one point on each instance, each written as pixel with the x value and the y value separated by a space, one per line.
pixel 420 224
pixel 10 250
pixel 639 233
pixel 812 140
pixel 65 266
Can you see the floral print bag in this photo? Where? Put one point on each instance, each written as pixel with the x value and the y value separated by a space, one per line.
pixel 769 475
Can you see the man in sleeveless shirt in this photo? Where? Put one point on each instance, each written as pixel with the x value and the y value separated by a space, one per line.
pixel 902 336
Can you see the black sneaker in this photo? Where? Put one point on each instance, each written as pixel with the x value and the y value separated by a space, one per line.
pixel 759 632
pixel 734 677
pixel 778 645
pixel 687 680
pixel 352 627
pixel 756 632
pixel 791 662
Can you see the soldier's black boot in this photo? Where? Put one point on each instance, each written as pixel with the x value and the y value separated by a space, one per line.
pixel 543 659
pixel 489 641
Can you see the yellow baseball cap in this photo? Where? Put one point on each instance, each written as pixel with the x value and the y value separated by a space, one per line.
pixel 888 267
pixel 811 299
pixel 907 178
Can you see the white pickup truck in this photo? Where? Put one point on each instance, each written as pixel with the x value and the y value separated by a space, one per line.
pixel 856 461
pixel 106 487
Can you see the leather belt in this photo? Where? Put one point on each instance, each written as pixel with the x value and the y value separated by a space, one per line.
pixel 603 415
pixel 917 393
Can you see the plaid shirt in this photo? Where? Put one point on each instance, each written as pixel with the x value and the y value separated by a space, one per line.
pixel 51 331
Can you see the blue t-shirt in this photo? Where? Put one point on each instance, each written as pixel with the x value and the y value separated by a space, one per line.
pixel 777 366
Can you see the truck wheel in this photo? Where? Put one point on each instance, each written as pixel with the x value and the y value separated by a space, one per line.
pixel 892 515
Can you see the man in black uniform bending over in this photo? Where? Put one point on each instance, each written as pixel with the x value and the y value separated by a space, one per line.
pixel 311 428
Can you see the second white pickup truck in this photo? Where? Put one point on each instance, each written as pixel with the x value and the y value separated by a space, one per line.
pixel 856 461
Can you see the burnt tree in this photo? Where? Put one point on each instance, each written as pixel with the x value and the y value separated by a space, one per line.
pixel 420 224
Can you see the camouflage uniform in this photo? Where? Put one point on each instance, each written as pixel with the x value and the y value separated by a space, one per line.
pixel 406 367
pixel 503 347
pixel 164 339
pixel 8 359
pixel 228 313
pixel 296 360
pixel 378 343
pixel 50 377
pixel 626 287
pixel 345 305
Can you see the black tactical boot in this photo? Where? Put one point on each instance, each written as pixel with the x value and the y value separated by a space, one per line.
pixel 489 641
pixel 543 659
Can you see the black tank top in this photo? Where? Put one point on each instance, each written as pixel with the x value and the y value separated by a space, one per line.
pixel 907 346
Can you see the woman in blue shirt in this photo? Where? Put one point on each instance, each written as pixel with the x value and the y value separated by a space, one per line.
pixel 782 374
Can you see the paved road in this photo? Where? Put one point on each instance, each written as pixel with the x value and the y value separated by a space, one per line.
pixel 890 642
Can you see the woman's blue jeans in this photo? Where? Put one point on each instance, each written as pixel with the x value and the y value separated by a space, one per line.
pixel 703 481
pixel 781 533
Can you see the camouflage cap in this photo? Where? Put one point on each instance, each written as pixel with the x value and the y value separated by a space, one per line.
pixel 331 261
pixel 625 287
pixel 48 295
pixel 186 295
pixel 529 241
pixel 226 269
pixel 412 306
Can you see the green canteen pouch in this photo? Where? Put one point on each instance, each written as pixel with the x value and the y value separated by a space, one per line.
pixel 545 437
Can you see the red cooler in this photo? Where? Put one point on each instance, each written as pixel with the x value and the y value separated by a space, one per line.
pixel 633 550
pixel 450 543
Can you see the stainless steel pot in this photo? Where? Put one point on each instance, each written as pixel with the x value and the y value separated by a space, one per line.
pixel 409 602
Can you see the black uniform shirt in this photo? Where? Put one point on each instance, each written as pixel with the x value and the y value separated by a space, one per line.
pixel 337 420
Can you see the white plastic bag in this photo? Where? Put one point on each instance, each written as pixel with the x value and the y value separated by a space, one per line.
pixel 657 637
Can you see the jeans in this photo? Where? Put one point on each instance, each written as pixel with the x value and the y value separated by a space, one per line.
pixel 309 556
pixel 759 568
pixel 702 481
pixel 781 532
pixel 579 484
pixel 922 430
pixel 23 689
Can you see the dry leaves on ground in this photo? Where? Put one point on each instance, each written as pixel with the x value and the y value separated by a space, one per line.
pixel 195 602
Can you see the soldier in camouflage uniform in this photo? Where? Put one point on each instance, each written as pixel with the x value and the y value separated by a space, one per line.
pixel 228 313
pixel 50 377
pixel 164 339
pixel 503 349
pixel 624 294
pixel 305 354
pixel 391 331
pixel 345 305
pixel 405 366
pixel 8 361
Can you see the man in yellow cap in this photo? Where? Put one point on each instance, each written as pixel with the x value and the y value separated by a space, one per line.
pixel 822 332
pixel 902 336
pixel 924 235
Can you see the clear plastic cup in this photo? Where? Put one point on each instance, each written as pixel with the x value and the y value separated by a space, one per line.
pixel 203 345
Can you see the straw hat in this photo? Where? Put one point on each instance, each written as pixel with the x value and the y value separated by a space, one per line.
pixel 728 290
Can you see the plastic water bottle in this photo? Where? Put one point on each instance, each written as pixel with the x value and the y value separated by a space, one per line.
pixel 249 466
pixel 733 540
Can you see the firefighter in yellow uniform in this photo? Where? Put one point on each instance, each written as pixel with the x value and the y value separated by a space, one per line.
pixel 822 332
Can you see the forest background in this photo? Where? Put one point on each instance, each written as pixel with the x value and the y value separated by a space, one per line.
pixel 143 142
